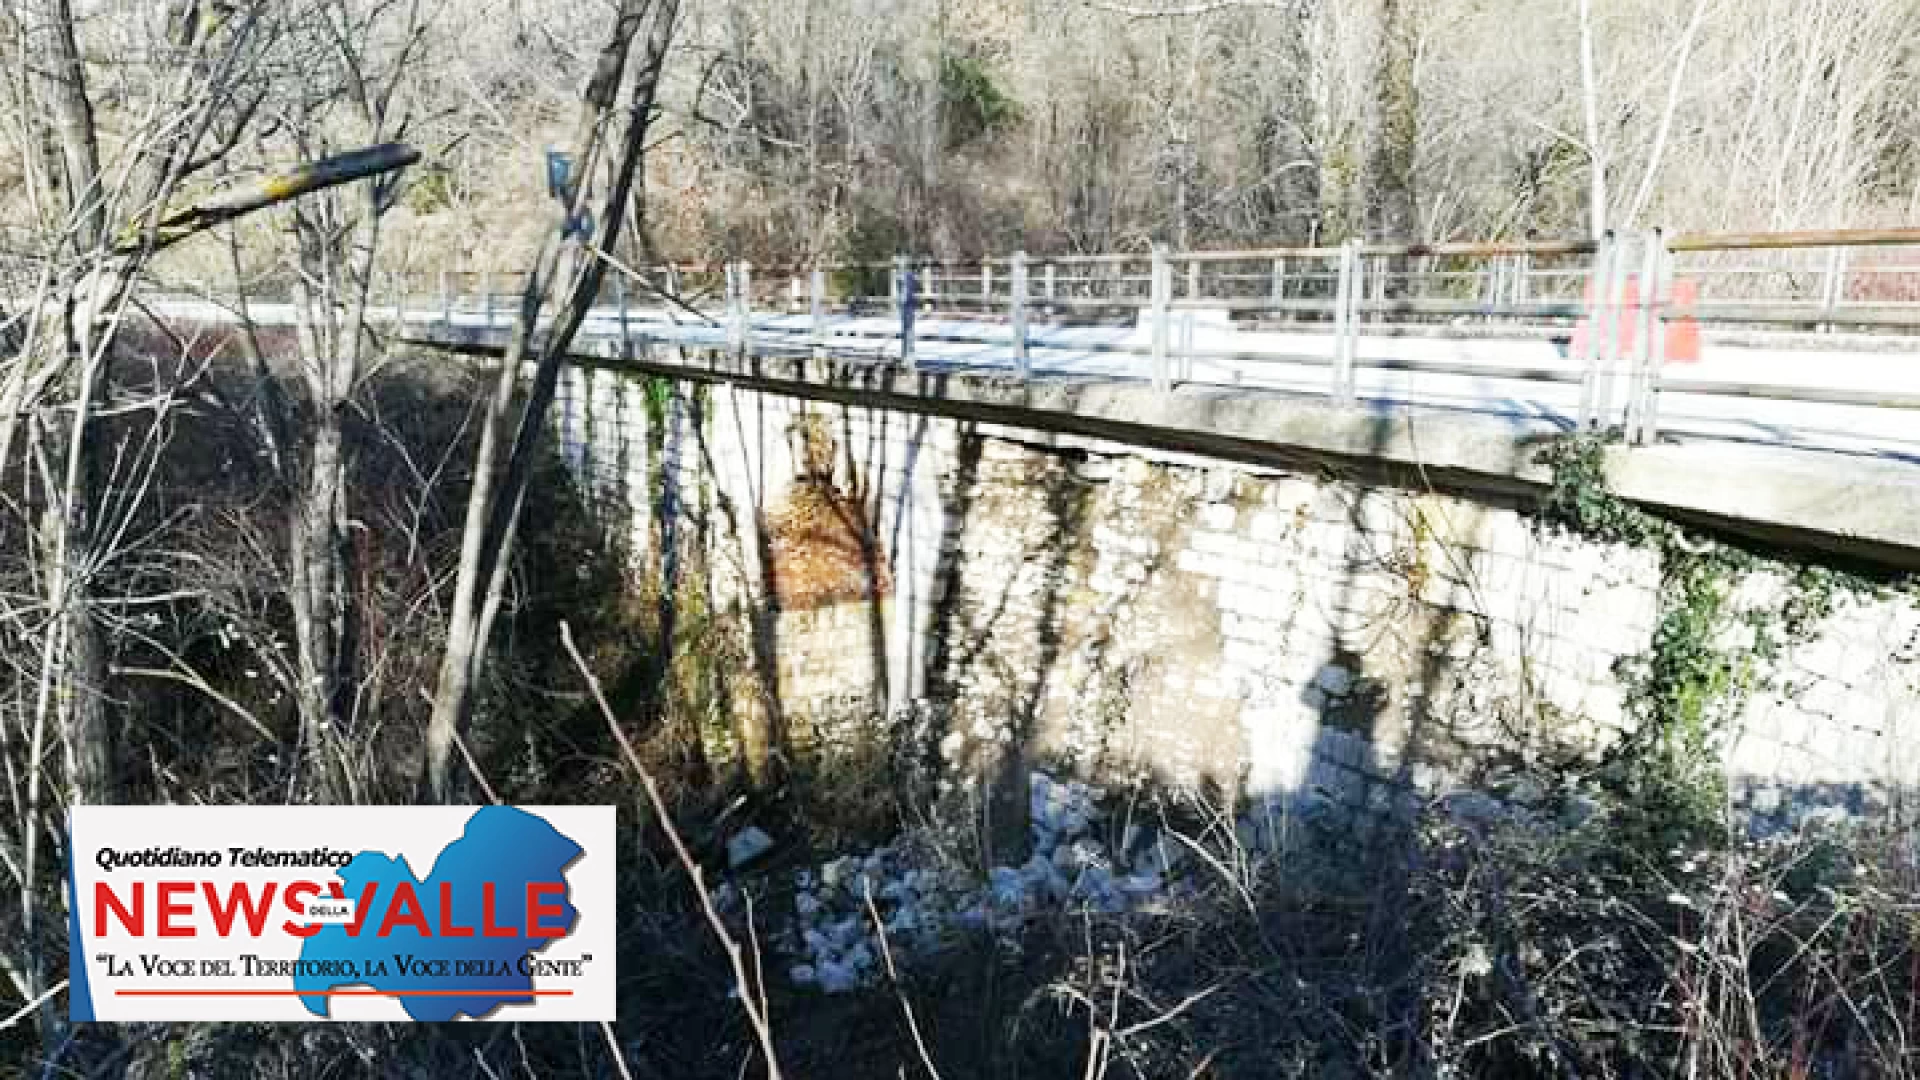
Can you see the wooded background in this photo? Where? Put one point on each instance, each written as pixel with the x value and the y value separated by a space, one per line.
pixel 859 128
pixel 952 127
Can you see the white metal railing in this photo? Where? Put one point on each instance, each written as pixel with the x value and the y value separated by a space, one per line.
pixel 1615 298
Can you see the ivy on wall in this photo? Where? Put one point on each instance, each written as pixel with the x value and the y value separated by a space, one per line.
pixel 1710 651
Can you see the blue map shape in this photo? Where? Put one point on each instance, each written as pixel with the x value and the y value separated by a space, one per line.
pixel 503 845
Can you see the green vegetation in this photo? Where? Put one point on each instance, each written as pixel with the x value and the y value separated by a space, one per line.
pixel 1710 650
pixel 976 106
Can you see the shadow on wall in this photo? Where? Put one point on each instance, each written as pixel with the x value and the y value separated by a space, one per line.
pixel 997 630
pixel 1013 603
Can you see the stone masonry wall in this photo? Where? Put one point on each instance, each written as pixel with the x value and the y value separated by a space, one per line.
pixel 1303 640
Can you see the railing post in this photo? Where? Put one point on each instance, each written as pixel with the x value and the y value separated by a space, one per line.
pixel 1050 291
pixel 736 326
pixel 986 284
pixel 1613 333
pixel 1193 279
pixel 746 303
pixel 1279 284
pixel 446 301
pixel 817 308
pixel 1343 329
pixel 1650 352
pixel 1382 270
pixel 909 302
pixel 1832 285
pixel 1608 327
pixel 1160 288
pixel 1018 286
pixel 620 303
pixel 1185 366
pixel 486 297
pixel 894 280
pixel 731 284
pixel 1599 280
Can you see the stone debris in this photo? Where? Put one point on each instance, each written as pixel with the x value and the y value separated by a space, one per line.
pixel 926 901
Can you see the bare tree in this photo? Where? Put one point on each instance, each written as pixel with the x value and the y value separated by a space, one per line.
pixel 358 61
pixel 100 219
pixel 611 129
pixel 58 381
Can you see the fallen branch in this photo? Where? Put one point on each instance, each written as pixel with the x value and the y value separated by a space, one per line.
pixel 756 1013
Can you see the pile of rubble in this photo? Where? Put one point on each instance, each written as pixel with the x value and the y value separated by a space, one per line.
pixel 1081 861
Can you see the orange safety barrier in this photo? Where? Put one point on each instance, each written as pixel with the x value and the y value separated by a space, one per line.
pixel 1683 335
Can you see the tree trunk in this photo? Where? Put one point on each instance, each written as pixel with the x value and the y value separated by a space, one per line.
pixel 320 573
pixel 1390 178
pixel 78 677
pixel 500 485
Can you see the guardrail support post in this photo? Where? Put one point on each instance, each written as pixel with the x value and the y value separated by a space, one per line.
pixel 732 283
pixel 1606 295
pixel 1185 367
pixel 1018 286
pixel 1599 275
pixel 1611 332
pixel 446 301
pixel 1382 271
pixel 620 302
pixel 1160 294
pixel 746 303
pixel 1051 294
pixel 736 330
pixel 1650 351
pixel 1345 292
pixel 894 281
pixel 1279 284
pixel 817 308
pixel 986 284
pixel 909 302
pixel 1832 285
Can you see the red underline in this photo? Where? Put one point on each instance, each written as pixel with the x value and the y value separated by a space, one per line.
pixel 344 993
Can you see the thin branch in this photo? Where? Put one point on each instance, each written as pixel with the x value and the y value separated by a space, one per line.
pixel 756 1016
pixel 27 1010
pixel 893 976
pixel 1674 83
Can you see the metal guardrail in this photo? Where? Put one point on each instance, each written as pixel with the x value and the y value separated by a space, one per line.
pixel 1616 298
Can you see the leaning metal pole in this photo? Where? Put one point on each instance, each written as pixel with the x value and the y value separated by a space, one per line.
pixel 268 191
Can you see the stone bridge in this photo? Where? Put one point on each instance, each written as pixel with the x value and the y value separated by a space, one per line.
pixel 1322 612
